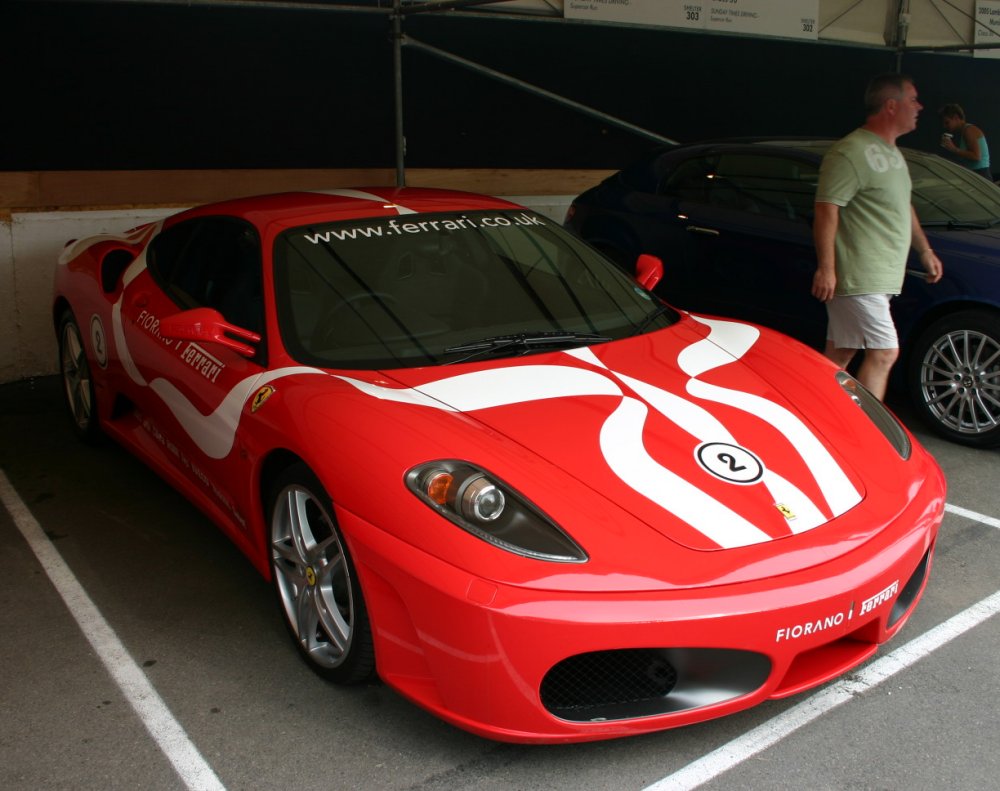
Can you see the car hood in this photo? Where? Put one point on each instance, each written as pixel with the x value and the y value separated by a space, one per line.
pixel 673 427
pixel 969 240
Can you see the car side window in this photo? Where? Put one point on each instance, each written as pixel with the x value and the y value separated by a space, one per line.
pixel 212 262
pixel 761 184
pixel 771 186
pixel 690 180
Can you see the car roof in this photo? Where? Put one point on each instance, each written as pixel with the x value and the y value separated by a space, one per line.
pixel 293 208
pixel 656 163
pixel 815 146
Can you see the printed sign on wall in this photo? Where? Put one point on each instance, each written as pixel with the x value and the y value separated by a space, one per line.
pixel 785 18
pixel 987 27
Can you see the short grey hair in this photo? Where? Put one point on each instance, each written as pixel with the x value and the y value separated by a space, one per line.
pixel 882 88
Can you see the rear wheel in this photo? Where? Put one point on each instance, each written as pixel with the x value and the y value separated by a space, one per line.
pixel 954 377
pixel 315 580
pixel 78 386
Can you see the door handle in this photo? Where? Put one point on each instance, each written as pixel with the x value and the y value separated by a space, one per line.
pixel 701 230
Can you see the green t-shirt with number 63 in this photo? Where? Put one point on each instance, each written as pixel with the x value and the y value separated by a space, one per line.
pixel 868 179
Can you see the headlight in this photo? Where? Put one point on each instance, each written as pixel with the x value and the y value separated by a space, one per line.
pixel 489 509
pixel 875 409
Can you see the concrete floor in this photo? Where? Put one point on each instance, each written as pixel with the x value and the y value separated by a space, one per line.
pixel 202 628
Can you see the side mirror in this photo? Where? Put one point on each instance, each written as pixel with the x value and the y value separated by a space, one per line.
pixel 648 271
pixel 209 326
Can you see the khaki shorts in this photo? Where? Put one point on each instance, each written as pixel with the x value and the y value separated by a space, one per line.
pixel 861 322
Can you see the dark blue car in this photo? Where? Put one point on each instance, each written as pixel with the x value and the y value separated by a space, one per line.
pixel 732 223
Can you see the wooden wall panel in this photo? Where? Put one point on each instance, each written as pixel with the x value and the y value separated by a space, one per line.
pixel 46 190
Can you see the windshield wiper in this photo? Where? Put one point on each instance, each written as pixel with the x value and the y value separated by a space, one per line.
pixel 526 341
pixel 651 318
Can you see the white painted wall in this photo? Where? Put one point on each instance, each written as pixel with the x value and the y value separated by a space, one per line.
pixel 30 243
pixel 8 321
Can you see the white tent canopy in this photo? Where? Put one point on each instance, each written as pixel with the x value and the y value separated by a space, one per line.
pixel 910 24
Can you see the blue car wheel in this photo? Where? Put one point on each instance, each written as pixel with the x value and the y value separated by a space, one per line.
pixel 955 377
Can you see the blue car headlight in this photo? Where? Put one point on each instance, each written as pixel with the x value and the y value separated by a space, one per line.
pixel 489 509
pixel 884 420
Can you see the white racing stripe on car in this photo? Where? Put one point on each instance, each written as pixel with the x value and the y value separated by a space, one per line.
pixel 727 340
pixel 837 488
pixel 124 353
pixel 703 425
pixel 586 354
pixel 371 197
pixel 73 249
pixel 499 387
pixel 214 434
pixel 620 439
pixel 136 268
pixel 621 443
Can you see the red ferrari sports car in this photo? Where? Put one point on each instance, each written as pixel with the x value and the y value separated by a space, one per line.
pixel 479 460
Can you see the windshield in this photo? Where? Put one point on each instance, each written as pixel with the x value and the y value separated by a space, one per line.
pixel 946 193
pixel 440 288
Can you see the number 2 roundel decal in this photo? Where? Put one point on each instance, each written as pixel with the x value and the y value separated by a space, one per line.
pixel 730 462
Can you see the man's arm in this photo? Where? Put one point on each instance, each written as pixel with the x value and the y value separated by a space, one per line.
pixel 825 221
pixel 928 259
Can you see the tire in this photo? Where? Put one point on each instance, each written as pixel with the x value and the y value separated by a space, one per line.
pixel 315 580
pixel 954 377
pixel 78 384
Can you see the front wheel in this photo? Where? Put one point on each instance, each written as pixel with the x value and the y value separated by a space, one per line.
pixel 954 377
pixel 315 580
pixel 78 386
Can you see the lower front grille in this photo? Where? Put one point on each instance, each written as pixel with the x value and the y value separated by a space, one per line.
pixel 642 682
pixel 608 677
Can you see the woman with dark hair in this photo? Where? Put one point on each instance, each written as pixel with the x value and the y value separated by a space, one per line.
pixel 966 141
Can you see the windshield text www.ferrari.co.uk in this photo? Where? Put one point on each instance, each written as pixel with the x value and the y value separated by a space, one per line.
pixel 394 227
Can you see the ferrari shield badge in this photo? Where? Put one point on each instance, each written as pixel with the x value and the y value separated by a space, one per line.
pixel 260 397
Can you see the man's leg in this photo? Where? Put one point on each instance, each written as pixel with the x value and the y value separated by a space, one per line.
pixel 875 368
pixel 842 357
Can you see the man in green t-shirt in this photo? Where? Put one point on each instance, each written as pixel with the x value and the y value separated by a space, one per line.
pixel 864 227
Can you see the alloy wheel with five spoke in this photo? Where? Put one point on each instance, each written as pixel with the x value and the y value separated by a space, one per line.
pixel 315 579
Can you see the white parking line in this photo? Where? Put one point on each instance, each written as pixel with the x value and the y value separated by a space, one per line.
pixel 196 774
pixel 721 760
pixel 959 511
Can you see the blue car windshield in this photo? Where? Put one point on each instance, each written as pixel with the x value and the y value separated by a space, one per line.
pixel 429 289
pixel 948 194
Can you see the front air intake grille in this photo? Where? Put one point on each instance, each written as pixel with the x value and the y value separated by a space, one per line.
pixel 608 677
pixel 910 590
pixel 643 682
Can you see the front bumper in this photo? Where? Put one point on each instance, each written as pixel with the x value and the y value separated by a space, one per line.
pixel 525 665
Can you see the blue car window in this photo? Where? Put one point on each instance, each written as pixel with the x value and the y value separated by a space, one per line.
pixel 690 180
pixel 772 186
pixel 945 193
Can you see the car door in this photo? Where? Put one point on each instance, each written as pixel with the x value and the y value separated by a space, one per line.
pixel 741 242
pixel 210 262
